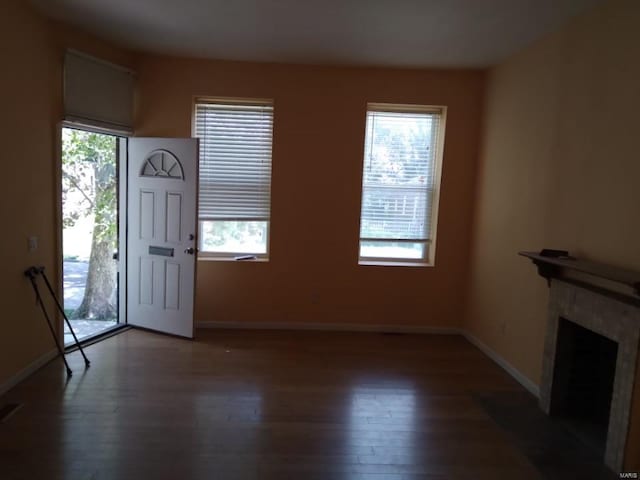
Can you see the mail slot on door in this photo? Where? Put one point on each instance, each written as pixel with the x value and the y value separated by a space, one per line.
pixel 162 251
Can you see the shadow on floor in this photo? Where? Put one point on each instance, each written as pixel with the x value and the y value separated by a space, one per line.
pixel 554 451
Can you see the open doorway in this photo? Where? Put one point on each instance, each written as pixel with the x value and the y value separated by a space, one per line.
pixel 90 232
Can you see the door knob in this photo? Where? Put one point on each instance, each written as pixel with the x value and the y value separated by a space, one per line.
pixel 190 250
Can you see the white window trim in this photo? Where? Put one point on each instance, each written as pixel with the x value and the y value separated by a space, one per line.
pixel 230 256
pixel 429 258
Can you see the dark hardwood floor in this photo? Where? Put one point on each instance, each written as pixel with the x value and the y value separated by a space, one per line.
pixel 271 405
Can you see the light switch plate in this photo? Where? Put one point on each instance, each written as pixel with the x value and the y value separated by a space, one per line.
pixel 33 243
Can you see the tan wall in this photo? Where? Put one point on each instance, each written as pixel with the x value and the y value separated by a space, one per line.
pixel 313 275
pixel 559 168
pixel 31 99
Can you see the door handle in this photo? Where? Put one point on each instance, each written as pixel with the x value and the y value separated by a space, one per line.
pixel 190 250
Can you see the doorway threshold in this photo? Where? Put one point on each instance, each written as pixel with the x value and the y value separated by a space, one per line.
pixel 104 334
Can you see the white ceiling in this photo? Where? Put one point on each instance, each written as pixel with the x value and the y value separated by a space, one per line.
pixel 407 33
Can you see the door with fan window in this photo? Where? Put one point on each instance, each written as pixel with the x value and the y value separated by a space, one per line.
pixel 161 238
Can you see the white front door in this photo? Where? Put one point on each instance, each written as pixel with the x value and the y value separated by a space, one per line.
pixel 161 239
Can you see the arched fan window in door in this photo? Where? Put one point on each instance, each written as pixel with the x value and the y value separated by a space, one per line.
pixel 162 163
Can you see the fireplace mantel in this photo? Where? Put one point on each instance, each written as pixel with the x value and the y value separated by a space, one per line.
pixel 555 267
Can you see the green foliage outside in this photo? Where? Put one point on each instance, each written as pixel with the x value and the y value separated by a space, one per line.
pixel 89 166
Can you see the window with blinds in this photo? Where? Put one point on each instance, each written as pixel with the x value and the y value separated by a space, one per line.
pixel 235 176
pixel 399 183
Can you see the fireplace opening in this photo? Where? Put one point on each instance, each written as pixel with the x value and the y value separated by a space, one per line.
pixel 584 372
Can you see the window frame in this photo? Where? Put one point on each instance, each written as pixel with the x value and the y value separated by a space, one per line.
pixel 233 256
pixel 428 258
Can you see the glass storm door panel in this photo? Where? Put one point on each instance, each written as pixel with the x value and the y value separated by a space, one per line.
pixel 89 232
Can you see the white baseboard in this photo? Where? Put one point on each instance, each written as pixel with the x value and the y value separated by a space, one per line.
pixel 27 371
pixel 331 327
pixel 510 369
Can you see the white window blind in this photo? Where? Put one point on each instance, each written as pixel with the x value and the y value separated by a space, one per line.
pixel 98 94
pixel 401 151
pixel 235 160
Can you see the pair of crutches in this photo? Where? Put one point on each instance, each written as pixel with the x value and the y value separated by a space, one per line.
pixel 32 273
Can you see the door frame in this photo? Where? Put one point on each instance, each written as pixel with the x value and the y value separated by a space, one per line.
pixel 122 150
pixel 123 226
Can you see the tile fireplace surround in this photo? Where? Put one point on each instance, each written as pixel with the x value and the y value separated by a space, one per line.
pixel 614 319
pixel 608 313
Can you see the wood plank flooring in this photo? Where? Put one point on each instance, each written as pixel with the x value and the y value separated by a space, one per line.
pixel 267 405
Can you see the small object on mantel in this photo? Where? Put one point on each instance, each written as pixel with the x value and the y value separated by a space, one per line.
pixel 549 252
pixel 551 267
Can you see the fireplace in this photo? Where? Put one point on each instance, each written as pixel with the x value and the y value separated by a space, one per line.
pixel 583 375
pixel 589 366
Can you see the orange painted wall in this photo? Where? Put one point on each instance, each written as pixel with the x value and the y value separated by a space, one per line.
pixel 559 168
pixel 313 275
pixel 28 201
pixel 31 98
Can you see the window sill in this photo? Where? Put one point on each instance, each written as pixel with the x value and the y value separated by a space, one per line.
pixel 213 258
pixel 397 263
